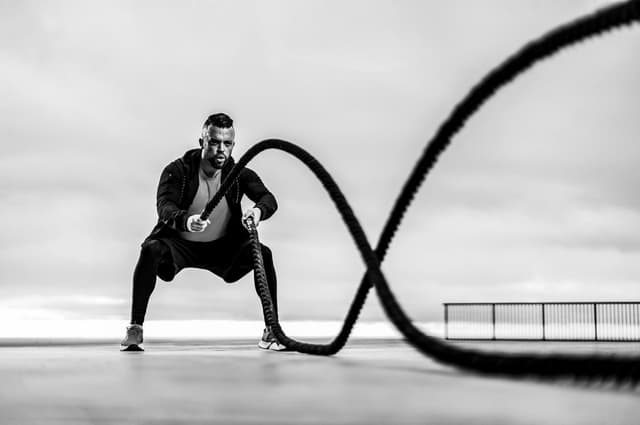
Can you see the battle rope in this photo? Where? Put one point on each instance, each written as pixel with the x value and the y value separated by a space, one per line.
pixel 618 368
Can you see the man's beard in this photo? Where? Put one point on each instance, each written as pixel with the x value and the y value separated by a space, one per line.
pixel 216 163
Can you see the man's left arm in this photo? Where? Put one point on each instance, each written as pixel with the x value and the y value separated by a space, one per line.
pixel 255 190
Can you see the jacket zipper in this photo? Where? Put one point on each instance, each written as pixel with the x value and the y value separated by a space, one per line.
pixel 184 182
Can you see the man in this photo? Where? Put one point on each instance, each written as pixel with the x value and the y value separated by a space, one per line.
pixel 181 239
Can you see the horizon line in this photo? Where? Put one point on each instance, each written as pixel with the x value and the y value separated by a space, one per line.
pixel 98 329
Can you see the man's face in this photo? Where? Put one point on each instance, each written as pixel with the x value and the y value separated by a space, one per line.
pixel 217 145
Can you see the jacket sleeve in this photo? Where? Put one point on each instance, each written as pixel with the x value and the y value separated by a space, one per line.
pixel 170 190
pixel 258 193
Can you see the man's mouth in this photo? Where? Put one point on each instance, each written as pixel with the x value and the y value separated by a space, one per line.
pixel 217 160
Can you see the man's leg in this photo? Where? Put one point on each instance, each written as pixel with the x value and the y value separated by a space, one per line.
pixel 242 263
pixel 144 278
pixel 269 340
pixel 272 282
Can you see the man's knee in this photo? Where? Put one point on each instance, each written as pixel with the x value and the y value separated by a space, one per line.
pixel 152 249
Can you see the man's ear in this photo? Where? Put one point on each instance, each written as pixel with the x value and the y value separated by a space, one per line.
pixel 200 141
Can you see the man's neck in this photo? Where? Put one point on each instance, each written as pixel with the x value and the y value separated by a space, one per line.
pixel 208 170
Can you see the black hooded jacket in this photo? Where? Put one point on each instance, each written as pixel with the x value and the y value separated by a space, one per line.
pixel 178 186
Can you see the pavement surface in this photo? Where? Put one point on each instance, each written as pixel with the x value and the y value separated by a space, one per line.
pixel 233 382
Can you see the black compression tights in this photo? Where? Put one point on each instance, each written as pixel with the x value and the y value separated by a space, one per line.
pixel 144 278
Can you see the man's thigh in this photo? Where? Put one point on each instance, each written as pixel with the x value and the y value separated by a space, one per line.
pixel 184 254
pixel 241 260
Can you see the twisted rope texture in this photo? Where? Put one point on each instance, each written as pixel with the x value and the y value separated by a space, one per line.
pixel 617 368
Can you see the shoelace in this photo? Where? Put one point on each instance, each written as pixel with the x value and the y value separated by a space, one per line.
pixel 133 331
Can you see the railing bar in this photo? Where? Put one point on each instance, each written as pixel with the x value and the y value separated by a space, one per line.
pixel 623 322
pixel 493 318
pixel 626 322
pixel 545 320
pixel 562 321
pixel 446 321
pixel 595 321
pixel 636 322
pixel 582 315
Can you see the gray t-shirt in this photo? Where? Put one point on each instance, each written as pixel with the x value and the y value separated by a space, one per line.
pixel 207 187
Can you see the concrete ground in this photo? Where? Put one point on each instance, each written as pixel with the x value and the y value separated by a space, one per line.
pixel 232 382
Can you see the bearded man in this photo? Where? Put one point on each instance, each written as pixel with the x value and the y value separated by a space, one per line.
pixel 181 239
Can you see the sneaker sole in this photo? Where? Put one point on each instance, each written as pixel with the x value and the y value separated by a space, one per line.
pixel 132 347
pixel 272 346
pixel 264 345
pixel 278 347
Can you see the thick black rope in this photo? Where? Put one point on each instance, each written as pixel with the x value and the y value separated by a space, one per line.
pixel 549 365
pixel 349 218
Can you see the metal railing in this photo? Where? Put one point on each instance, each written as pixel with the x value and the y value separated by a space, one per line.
pixel 556 321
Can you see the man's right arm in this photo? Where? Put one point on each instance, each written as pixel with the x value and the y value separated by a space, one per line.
pixel 170 190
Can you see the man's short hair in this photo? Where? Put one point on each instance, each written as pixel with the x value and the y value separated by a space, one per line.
pixel 220 120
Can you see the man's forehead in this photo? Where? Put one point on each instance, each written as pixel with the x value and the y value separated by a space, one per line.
pixel 213 132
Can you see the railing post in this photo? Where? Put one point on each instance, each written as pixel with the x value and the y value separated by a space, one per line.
pixel 493 319
pixel 446 321
pixel 595 321
pixel 544 324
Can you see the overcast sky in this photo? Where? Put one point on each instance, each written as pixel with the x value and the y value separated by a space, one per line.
pixel 537 198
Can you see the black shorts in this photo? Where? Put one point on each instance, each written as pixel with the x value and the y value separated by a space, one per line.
pixel 226 257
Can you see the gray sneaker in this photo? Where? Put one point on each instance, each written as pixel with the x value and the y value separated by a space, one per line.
pixel 269 341
pixel 133 340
